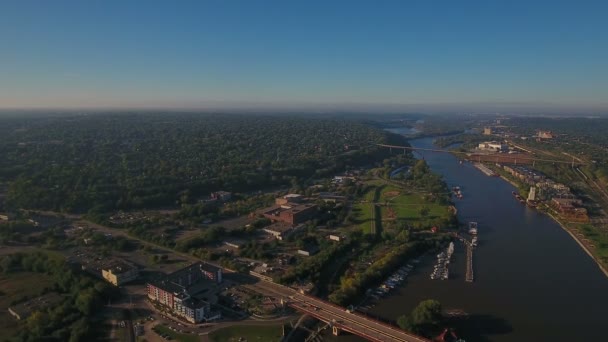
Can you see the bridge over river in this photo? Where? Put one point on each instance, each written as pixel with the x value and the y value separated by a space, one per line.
pixel 337 317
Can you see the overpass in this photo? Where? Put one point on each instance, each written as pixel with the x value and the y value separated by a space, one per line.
pixel 337 317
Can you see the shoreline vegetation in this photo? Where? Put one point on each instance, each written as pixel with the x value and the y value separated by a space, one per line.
pixel 595 259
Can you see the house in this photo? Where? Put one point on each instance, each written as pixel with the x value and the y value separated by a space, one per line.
pixel 118 273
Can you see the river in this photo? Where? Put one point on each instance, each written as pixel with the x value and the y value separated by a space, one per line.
pixel 533 282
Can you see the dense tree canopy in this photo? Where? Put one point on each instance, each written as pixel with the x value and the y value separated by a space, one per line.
pixel 424 319
pixel 123 161
pixel 71 318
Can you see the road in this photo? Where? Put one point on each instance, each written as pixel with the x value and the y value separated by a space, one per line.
pixel 357 324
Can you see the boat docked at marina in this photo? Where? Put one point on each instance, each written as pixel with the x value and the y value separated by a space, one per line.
pixel 457 192
pixel 473 228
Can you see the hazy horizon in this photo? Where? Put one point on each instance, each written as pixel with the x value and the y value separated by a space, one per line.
pixel 478 57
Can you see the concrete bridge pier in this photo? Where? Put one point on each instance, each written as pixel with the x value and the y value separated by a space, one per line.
pixel 335 330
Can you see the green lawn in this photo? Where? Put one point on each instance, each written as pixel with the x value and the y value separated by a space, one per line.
pixel 600 240
pixel 266 333
pixel 362 212
pixel 176 336
pixel 407 207
pixel 388 192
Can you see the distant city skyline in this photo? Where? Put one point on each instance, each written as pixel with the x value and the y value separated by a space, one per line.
pixel 318 56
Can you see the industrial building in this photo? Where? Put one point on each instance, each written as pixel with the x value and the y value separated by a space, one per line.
pixel 281 230
pixel 289 198
pixel 24 309
pixel 291 213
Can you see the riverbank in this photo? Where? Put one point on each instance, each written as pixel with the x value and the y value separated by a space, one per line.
pixel 524 262
pixel 580 243
pixel 578 240
pixel 509 181
pixel 565 227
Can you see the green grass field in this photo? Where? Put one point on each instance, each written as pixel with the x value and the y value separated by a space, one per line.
pixel 13 287
pixel 363 211
pixel 264 333
pixel 176 336
pixel 406 207
pixel 600 240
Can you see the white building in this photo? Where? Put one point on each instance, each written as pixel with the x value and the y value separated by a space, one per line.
pixel 493 146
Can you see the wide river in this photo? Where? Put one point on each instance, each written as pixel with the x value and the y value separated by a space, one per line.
pixel 533 282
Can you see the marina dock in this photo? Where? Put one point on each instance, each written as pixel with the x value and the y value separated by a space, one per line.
pixel 469 270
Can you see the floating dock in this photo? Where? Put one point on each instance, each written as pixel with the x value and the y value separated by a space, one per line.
pixel 469 271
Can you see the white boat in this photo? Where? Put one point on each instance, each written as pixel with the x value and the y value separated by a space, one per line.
pixel 473 228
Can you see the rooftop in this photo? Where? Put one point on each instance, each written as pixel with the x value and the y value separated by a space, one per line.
pixel 280 227
pixel 171 282
pixel 24 309
pixel 118 267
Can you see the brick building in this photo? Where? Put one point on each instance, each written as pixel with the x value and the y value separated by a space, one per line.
pixel 291 213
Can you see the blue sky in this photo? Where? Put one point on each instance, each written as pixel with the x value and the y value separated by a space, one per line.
pixel 312 55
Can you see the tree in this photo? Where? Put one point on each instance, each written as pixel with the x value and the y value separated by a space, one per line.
pixel 424 319
pixel 424 212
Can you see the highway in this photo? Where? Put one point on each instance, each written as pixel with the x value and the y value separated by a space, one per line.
pixel 337 316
